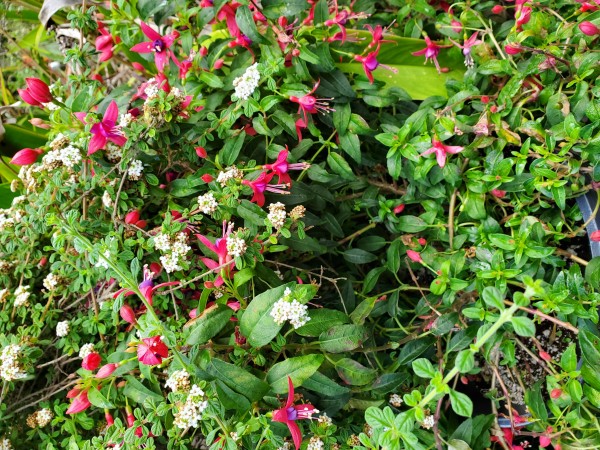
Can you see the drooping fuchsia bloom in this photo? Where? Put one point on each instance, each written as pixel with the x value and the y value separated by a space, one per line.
pixel 147 286
pixel 414 256
pixel 227 13
pixel 107 370
pixel 289 414
pixel 91 361
pixel 26 156
pixel 431 51
pixel 441 151
pixel 370 63
pixel 309 104
pixel 36 93
pixel 105 130
pixel 158 44
pixel 261 184
pixel 151 351
pixel 281 167
pixel 225 260
pixel 466 48
pixel 377 35
pixel 80 401
pixel 341 18
pixel 105 43
pixel 588 28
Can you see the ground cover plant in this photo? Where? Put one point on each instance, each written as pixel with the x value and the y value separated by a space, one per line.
pixel 300 224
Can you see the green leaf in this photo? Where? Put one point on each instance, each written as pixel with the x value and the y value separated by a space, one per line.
pixel 423 368
pixel 238 379
pixel 465 361
pixel 411 224
pixel 523 326
pixel 590 348
pixel 338 164
pixel 231 399
pixel 97 399
pixel 364 308
pixel 256 323
pixel 535 402
pixel 341 117
pixel 412 350
pixel 274 9
pixel 211 79
pixel 324 385
pixel 592 273
pixel 321 319
pixel 244 19
pixel 137 392
pixel 354 373
pixel 461 404
pixel 493 297
pixel 251 212
pixel 231 150
pixel 342 338
pixel 208 324
pixel 359 256
pixel 298 369
pixel 184 187
pixel 378 418
pixel 6 195
pixel 350 144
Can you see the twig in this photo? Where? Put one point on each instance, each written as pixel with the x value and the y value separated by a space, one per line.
pixel 537 312
pixel 357 233
pixel 387 187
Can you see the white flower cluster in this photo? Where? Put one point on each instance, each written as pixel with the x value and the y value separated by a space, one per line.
pixel 125 120
pixel 113 152
pixel 5 444
pixel 4 293
pixel 10 366
pixel 190 413
pixel 43 417
pixel 315 444
pixel 59 141
pixel 102 263
pixel 236 246
pixel 5 220
pixel 277 214
pixel 428 422
pixel 151 89
pixel 85 350
pixel 229 174
pixel 62 328
pixel 135 169
pixel 18 200
pixel 22 296
pixel 51 281
pixel 290 309
pixel 396 400
pixel 68 157
pixel 247 83
pixel 175 248
pixel 178 381
pixel 286 446
pixel 325 420
pixel 207 203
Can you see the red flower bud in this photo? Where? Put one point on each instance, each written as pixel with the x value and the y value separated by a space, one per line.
pixel 141 224
pixel 207 178
pixel 218 64
pixel 155 268
pixel 91 361
pixel 203 51
pixel 493 108
pixel 209 284
pixel 513 49
pixel 127 314
pixel 497 9
pixel 414 256
pixel 556 393
pixel 194 313
pixel 456 26
pixel 43 261
pixel 398 209
pixel 137 66
pixel 498 193
pixel 201 152
pixel 106 370
pixel 132 217
pixel 595 236
pixel 422 241
pixel 97 77
pixel 109 418
pixel 545 356
pixel 80 401
pixel 296 52
pixel 37 122
pixel 485 99
pixel 28 98
pixel 26 156
pixel 38 90
pixel 589 29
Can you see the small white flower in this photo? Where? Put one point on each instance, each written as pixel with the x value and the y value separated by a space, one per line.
pixel 170 262
pixel 207 203
pixel 293 311
pixel 5 444
pixel 178 381
pixel 135 169
pixel 125 120
pixel 22 296
pixel 246 84
pixel 106 200
pixel 396 400
pixel 277 214
pixel 10 367
pixel 44 416
pixel 102 262
pixel 62 328
pixel 162 242
pixel 428 422
pixel 50 282
pixel 85 350
pixel 315 444
pixel 229 174
pixel 236 246
pixel 190 413
pixel 324 419
pixel 70 156
pixel 151 89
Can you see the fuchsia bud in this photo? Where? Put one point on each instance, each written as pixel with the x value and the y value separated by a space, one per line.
pixel 398 209
pixel 414 256
pixel 127 314
pixel 218 64
pixel 513 49
pixel 545 356
pixel 36 93
pixel 155 268
pixel 141 224
pixel 556 393
pixel 201 152
pixel 26 156
pixel 109 418
pixel 595 236
pixel 203 51
pixel 498 193
pixel 80 401
pixel 132 217
pixel 497 9
pixel 207 178
pixel 422 241
pixel 589 29
pixel 106 370
pixel 91 361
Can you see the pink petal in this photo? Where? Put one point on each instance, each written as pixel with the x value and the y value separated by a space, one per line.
pixel 290 398
pixel 206 242
pixel 453 149
pixel 209 263
pixel 118 140
pixel 419 53
pixel 96 143
pixel 142 47
pixel 296 434
pixel 81 116
pixel 149 32
pixel 112 112
pixel 161 59
pixel 429 151
pixel 170 38
pixel 441 158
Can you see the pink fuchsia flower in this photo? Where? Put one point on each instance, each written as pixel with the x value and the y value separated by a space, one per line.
pixel 466 48
pixel 224 259
pixel 377 35
pixel 545 440
pixel 441 151
pixel 370 63
pixel 431 52
pixel 281 167
pixel 289 414
pixel 106 130
pixel 588 28
pixel 151 351
pixel 227 13
pixel 147 286
pixel 309 104
pixel 261 184
pixel 80 401
pixel 107 370
pixel 158 44
pixel 513 49
pixel 341 18
pixel 36 93
pixel 414 256
pixel 523 16
pixel 26 156
pixel 91 361
pixel 105 43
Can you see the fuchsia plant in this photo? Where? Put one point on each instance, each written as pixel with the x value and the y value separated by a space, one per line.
pixel 159 45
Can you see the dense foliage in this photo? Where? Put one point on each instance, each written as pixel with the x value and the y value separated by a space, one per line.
pixel 232 216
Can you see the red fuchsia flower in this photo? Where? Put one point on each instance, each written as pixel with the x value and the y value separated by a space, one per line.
pixel 91 361
pixel 184 66
pixel 311 12
pixel 586 6
pixel 370 63
pixel 207 178
pixel 414 256
pixel 466 48
pixel 26 156
pixel 36 93
pixel 513 49
pixel 588 28
pixel 341 18
pixel 281 167
pixel 377 35
pixel 289 414
pixel 158 44
pixel 227 13
pixel 201 152
pixel 109 418
pixel 220 249
pixel 105 43
pixel 105 130
pixel 309 104
pixel 107 370
pixel 441 151
pixel 545 440
pixel 147 286
pixel 239 337
pixel 127 314
pixel 545 356
pixel 151 351
pixel 261 184
pixel 523 15
pixel 431 52
pixel 595 236
pixel 80 401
